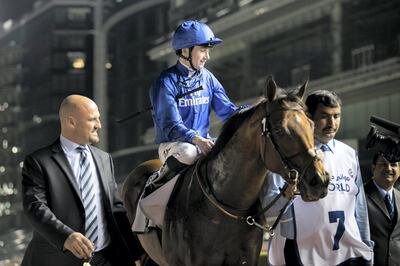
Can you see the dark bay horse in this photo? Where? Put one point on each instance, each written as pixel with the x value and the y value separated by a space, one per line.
pixel 204 223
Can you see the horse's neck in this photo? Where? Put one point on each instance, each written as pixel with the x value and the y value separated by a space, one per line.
pixel 237 173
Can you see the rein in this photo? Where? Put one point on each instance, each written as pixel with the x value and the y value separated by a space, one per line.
pixel 250 220
pixel 210 195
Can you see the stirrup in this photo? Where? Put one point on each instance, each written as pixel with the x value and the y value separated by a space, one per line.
pixel 148 190
pixel 161 177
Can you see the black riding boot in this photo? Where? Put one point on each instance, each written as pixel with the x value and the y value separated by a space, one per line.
pixel 170 169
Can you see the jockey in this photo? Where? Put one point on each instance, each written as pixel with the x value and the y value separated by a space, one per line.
pixel 183 97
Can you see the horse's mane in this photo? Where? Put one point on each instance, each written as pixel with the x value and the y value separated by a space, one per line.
pixel 232 124
pixel 229 128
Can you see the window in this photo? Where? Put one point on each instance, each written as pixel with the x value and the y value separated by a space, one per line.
pixel 78 14
pixel 76 60
pixel 69 41
pixel 73 17
pixel 362 56
pixel 178 3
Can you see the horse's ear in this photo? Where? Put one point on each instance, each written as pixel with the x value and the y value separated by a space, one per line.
pixel 270 89
pixel 302 90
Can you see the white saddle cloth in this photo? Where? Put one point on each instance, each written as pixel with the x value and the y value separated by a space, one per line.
pixel 151 210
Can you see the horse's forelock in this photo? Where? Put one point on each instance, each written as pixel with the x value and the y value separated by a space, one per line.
pixel 285 97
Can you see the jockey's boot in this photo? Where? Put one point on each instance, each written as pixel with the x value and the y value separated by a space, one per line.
pixel 169 170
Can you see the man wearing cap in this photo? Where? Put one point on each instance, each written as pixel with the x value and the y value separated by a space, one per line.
pixel 183 97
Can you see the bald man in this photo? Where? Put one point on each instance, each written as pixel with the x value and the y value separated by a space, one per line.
pixel 70 197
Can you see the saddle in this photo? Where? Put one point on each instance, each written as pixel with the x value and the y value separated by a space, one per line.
pixel 153 201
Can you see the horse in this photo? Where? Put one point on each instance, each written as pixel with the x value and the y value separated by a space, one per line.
pixel 205 220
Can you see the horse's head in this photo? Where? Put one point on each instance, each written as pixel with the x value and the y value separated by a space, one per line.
pixel 287 129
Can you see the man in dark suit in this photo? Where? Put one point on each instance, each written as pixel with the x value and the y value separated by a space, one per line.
pixel 383 209
pixel 70 197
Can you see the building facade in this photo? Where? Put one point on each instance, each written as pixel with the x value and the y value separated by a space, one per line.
pixel 350 47
pixel 44 56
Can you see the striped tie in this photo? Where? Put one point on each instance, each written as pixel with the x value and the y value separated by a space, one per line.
pixel 389 205
pixel 88 196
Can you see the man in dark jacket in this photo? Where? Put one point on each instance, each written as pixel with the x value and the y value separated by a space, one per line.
pixel 383 209
pixel 70 197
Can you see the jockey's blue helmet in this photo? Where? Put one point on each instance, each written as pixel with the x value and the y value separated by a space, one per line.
pixel 193 33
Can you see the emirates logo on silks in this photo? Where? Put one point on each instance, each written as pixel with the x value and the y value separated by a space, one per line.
pixel 193 101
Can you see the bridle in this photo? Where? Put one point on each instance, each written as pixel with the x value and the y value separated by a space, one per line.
pixel 290 171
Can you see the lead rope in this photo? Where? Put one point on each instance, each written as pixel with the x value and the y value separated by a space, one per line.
pixel 270 229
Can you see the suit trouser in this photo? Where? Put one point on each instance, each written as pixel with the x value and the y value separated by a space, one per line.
pixel 102 258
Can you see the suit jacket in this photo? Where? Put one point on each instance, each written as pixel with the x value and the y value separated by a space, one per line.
pixel 53 205
pixel 384 232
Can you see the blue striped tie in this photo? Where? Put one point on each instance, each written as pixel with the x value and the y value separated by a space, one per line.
pixel 389 205
pixel 88 196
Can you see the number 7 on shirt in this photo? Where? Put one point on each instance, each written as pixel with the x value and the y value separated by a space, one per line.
pixel 333 217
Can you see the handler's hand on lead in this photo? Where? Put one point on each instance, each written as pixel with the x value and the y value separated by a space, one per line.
pixel 289 192
pixel 79 245
pixel 205 145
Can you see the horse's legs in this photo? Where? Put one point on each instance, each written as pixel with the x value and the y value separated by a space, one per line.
pixel 151 244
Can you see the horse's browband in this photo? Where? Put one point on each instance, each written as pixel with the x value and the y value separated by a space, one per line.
pixel 286 109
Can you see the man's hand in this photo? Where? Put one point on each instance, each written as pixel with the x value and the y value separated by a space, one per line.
pixel 138 263
pixel 79 245
pixel 289 192
pixel 205 145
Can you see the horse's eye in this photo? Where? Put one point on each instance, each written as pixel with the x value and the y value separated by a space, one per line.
pixel 277 131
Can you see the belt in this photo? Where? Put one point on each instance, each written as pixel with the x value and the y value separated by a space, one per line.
pixel 103 251
pixel 102 257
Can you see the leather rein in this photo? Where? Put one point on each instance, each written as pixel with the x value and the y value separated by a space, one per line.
pixel 291 173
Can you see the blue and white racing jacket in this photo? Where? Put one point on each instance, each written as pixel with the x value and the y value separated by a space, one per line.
pixel 179 113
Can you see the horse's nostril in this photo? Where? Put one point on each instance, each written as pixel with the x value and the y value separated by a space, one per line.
pixel 314 181
pixel 327 178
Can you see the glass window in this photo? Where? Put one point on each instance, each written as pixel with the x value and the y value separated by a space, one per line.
pixel 362 56
pixel 78 14
pixel 59 61
pixel 69 41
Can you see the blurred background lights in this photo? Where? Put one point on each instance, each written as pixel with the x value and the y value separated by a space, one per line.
pixel 5 144
pixel 108 65
pixel 78 63
pixel 77 60
pixel 7 25
pixel 37 119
